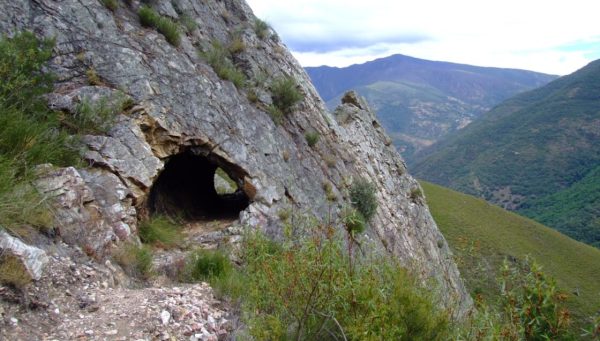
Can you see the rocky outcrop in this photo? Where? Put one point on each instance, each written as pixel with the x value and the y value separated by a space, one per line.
pixel 183 107
pixel 28 260
pixel 92 208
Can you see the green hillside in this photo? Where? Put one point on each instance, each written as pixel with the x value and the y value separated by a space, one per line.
pixel 481 235
pixel 527 150
pixel 575 211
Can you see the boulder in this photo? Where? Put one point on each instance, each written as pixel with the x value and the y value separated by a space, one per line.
pixel 29 259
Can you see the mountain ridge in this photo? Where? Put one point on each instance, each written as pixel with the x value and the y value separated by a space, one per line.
pixel 530 147
pixel 423 100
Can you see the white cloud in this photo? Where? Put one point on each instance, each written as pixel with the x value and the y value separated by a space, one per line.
pixel 549 36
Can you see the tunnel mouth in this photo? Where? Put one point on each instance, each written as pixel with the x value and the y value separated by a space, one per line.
pixel 186 188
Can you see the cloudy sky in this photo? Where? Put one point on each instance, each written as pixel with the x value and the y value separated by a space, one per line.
pixel 552 36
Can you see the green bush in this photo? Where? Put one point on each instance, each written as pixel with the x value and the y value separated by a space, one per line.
pixel 530 308
pixel 312 137
pixel 354 221
pixel 218 57
pixel 160 231
pixel 206 265
pixel 111 4
pixel 532 304
pixel 308 289
pixel 362 195
pixel 285 94
pixel 261 28
pixel 167 27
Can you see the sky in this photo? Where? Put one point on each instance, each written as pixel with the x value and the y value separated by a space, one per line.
pixel 550 36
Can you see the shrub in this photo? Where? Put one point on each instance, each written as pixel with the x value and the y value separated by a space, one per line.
pixel 362 195
pixel 261 28
pixel 312 137
pixel 111 4
pixel 218 58
pixel 354 221
pixel 305 289
pixel 135 260
pixel 167 27
pixel 160 231
pixel 206 265
pixel 532 304
pixel 285 94
pixel 530 308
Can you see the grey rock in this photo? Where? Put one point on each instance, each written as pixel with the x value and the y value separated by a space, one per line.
pixel 183 106
pixel 93 216
pixel 32 259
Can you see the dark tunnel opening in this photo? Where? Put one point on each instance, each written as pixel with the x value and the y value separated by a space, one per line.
pixel 186 189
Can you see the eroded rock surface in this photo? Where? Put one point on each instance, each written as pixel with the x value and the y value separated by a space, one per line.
pixel 181 105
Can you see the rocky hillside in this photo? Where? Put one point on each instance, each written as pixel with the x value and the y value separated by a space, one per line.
pixel 204 86
pixel 536 153
pixel 420 101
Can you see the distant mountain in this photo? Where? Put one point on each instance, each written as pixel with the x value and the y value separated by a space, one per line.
pixel 537 153
pixel 419 101
pixel 481 236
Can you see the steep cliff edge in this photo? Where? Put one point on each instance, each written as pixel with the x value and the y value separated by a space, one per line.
pixel 185 117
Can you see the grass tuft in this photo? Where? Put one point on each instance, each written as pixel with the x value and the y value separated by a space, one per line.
pixel 261 28
pixel 160 231
pixel 188 22
pixel 135 260
pixel 219 58
pixel 276 114
pixel 312 137
pixel 206 265
pixel 167 27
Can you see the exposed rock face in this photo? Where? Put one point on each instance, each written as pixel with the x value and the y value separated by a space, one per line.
pixel 31 259
pixel 183 107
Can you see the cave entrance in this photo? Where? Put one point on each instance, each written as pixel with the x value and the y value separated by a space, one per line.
pixel 196 187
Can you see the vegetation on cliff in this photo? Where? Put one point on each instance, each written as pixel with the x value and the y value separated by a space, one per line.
pixel 31 134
